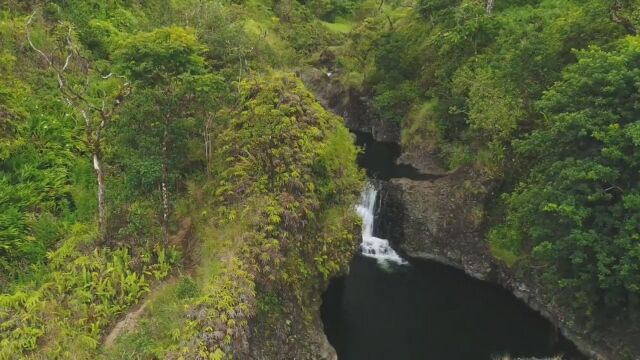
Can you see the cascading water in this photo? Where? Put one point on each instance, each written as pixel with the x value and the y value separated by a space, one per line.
pixel 372 246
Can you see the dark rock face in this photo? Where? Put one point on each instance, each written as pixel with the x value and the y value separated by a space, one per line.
pixel 439 220
pixel 443 220
pixel 288 336
pixel 425 160
pixel 354 107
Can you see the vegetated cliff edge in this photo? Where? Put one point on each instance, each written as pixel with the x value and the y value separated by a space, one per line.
pixel 275 222
pixel 289 175
pixel 445 220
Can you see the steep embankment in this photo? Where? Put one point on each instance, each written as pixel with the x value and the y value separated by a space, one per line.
pixel 141 115
pixel 529 107
pixel 276 223
pixel 445 219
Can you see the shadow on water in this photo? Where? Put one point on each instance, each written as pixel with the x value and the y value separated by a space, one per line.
pixel 379 160
pixel 431 311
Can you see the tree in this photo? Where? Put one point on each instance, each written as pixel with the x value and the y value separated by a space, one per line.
pixel 92 94
pixel 167 65
pixel 623 12
pixel 578 210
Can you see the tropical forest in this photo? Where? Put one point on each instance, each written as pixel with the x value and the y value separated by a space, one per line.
pixel 320 179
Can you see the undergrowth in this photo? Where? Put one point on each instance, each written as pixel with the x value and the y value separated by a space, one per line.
pixel 64 314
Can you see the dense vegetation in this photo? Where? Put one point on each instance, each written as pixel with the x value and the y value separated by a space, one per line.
pixel 154 145
pixel 538 96
pixel 167 145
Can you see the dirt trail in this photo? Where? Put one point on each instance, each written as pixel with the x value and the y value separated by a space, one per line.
pixel 182 240
pixel 131 319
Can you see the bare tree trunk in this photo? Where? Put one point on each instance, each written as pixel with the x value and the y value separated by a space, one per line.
pixel 165 183
pixel 89 109
pixel 207 143
pixel 489 7
pixel 102 190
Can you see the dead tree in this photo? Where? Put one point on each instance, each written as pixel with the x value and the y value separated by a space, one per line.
pixel 96 112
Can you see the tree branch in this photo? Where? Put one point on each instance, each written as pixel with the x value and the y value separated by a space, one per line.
pixel 28 33
pixel 616 18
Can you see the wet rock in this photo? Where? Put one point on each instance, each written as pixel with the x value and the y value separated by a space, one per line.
pixel 288 338
pixel 426 164
pixel 443 220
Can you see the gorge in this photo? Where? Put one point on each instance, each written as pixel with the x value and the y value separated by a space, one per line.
pixel 388 307
pixel 320 179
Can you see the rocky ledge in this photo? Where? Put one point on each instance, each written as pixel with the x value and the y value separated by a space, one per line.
pixel 288 336
pixel 353 106
pixel 439 220
pixel 443 220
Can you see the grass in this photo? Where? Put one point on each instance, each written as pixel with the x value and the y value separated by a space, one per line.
pixel 504 245
pixel 164 316
pixel 502 253
pixel 340 25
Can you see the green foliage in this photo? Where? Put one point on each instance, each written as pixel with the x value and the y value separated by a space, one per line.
pixel 432 8
pixel 39 155
pixel 335 167
pixel 576 211
pixel 160 326
pixel 340 26
pixel 301 30
pixel 220 316
pixel 538 95
pixel 286 159
pixel 172 101
pixel 187 288
pixel 80 294
pixel 253 155
pixel 483 71
pixel 287 174
pixel 330 9
pixel 269 177
pixel 156 57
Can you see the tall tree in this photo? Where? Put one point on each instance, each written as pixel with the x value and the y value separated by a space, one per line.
pixel 168 64
pixel 93 94
pixel 578 209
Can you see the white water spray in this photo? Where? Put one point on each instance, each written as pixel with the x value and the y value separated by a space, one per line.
pixel 372 246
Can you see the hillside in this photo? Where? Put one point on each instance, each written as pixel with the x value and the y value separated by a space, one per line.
pixel 175 182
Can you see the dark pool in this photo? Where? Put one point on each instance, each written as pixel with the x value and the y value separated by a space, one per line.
pixel 379 160
pixel 427 310
pixel 431 311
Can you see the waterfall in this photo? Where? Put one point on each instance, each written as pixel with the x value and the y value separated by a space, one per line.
pixel 372 246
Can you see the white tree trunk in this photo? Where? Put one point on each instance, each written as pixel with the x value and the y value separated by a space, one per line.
pixel 207 143
pixel 490 5
pixel 102 209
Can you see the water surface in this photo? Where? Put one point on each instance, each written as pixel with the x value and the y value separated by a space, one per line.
pixel 389 308
pixel 431 311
